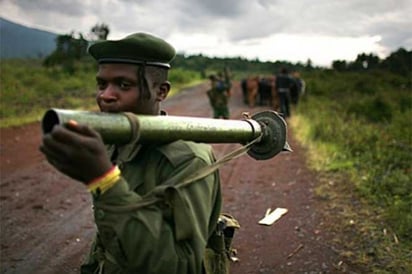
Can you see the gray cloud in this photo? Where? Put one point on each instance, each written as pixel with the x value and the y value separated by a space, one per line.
pixel 237 21
pixel 75 8
pixel 214 8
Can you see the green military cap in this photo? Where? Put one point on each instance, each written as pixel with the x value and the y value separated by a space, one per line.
pixel 137 48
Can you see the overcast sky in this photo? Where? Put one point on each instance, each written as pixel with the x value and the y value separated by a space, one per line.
pixel 270 30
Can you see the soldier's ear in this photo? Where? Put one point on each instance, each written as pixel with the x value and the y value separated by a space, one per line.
pixel 163 91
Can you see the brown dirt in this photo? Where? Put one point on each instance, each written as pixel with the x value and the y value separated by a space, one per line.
pixel 47 225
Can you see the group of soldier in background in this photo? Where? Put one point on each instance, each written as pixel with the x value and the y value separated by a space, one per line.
pixel 278 91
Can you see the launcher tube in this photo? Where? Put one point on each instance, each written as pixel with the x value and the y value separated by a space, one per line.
pixel 122 128
pixel 118 128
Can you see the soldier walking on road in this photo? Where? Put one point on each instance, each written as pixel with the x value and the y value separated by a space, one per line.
pixel 219 95
pixel 283 85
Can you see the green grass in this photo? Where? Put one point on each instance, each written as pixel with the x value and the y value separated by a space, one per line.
pixel 27 89
pixel 359 137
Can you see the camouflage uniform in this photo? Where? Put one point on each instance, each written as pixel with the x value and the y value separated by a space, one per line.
pixel 219 98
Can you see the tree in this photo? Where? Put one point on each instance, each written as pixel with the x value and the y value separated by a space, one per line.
pixel 339 65
pixel 68 49
pixel 365 62
pixel 100 31
pixel 309 64
pixel 399 62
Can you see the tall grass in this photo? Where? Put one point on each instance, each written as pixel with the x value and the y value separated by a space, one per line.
pixel 181 78
pixel 27 89
pixel 360 124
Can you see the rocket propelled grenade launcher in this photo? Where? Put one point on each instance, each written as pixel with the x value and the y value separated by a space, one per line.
pixel 122 128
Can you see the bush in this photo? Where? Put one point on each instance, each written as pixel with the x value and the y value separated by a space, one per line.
pixel 368 134
pixel 28 88
pixel 374 109
pixel 178 76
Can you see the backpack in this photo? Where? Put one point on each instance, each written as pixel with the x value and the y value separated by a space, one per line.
pixel 219 252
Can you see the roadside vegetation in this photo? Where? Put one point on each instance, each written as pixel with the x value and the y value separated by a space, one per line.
pixel 357 127
pixel 28 89
pixel 354 120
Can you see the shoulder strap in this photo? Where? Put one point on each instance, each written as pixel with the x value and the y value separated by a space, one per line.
pixel 158 194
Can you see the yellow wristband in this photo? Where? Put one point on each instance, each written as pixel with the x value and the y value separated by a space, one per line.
pixel 103 183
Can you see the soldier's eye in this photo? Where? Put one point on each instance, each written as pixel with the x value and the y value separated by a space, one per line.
pixel 101 84
pixel 124 85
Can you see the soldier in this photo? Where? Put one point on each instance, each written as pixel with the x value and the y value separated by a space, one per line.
pixel 219 97
pixel 252 86
pixel 227 76
pixel 145 221
pixel 283 85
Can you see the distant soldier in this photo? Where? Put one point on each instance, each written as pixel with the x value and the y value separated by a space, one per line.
pixel 244 90
pixel 219 95
pixel 265 91
pixel 227 76
pixel 275 101
pixel 252 86
pixel 283 85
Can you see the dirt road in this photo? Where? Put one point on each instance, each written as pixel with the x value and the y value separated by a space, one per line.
pixel 47 225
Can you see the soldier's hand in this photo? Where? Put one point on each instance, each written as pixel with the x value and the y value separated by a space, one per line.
pixel 77 151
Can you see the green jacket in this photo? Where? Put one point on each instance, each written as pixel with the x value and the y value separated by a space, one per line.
pixel 165 237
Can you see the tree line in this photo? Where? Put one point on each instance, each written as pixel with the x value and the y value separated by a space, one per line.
pixel 71 48
pixel 398 62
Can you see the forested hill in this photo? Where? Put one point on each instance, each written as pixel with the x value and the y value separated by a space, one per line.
pixel 18 41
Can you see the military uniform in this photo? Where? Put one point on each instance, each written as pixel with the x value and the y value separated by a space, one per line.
pixel 147 222
pixel 219 98
pixel 169 236
pixel 283 84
